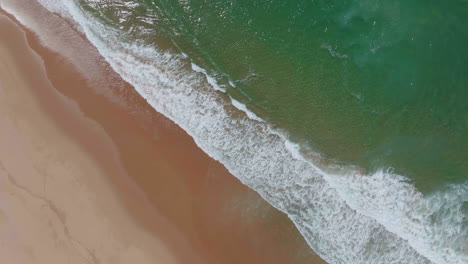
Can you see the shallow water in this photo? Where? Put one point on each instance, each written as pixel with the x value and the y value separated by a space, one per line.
pixel 359 86
pixel 366 83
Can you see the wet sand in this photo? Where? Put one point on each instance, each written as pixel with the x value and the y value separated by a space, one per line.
pixel 90 173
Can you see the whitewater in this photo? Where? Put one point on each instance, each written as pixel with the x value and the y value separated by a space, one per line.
pixel 345 217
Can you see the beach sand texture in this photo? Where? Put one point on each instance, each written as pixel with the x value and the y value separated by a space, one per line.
pixel 90 173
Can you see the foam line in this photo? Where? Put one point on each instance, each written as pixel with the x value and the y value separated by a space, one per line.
pixel 345 217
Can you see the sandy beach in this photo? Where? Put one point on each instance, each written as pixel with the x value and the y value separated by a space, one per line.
pixel 90 173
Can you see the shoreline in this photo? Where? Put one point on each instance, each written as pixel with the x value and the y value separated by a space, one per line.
pixel 201 192
pixel 263 160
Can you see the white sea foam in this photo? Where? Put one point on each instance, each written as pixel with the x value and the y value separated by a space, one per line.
pixel 294 149
pixel 211 80
pixel 345 217
pixel 244 109
pixel 232 84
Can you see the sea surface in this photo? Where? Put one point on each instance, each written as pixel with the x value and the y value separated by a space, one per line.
pixel 349 116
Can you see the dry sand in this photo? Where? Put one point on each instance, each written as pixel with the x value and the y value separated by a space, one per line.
pixel 90 173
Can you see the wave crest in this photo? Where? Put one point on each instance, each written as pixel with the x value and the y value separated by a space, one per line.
pixel 346 217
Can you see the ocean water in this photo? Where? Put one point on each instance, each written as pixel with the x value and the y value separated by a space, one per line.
pixel 349 116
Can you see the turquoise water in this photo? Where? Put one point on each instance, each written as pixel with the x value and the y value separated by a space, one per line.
pixel 374 84
pixel 357 113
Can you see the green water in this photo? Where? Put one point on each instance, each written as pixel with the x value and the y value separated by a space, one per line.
pixel 376 84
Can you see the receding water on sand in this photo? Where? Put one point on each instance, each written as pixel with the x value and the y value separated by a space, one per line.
pixel 347 203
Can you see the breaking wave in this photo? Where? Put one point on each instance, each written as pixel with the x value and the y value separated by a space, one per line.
pixel 345 216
